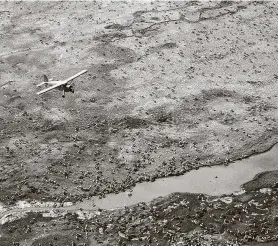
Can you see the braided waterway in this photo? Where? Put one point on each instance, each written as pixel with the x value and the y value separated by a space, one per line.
pixel 215 180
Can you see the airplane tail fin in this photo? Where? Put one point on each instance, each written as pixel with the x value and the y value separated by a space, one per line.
pixel 45 79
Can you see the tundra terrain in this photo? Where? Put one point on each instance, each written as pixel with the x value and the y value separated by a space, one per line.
pixel 171 87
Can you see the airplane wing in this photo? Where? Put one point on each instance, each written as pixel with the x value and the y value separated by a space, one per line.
pixel 75 76
pixel 61 82
pixel 51 87
pixel 49 83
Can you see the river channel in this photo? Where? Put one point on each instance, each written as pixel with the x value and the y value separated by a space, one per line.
pixel 215 180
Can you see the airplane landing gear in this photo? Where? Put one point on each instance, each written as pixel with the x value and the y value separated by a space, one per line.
pixel 71 89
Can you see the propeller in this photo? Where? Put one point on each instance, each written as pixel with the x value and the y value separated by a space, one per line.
pixel 72 87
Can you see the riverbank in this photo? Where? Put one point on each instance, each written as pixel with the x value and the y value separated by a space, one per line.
pixel 178 219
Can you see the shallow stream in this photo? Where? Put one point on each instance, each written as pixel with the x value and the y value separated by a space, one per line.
pixel 215 180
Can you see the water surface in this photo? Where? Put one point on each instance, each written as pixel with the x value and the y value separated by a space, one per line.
pixel 215 180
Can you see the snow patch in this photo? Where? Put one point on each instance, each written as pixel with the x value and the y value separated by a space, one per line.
pixel 51 213
pixel 226 200
pixel 12 217
pixel 266 191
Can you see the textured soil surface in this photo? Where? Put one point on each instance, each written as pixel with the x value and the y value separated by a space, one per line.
pixel 171 87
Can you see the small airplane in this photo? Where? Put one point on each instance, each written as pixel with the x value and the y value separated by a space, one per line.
pixel 62 85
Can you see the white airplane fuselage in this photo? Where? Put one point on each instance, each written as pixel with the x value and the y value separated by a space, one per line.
pixel 61 85
pixel 65 88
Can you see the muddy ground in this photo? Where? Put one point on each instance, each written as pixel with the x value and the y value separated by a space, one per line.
pixel 171 87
